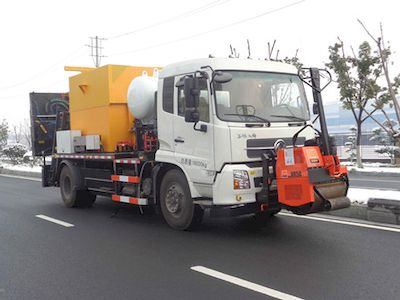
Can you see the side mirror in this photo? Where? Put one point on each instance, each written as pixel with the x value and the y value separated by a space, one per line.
pixel 180 82
pixel 222 77
pixel 192 116
pixel 315 109
pixel 192 94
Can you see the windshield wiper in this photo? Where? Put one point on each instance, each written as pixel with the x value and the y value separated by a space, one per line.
pixel 290 117
pixel 251 116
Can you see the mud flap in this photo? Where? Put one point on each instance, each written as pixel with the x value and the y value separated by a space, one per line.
pixel 46 176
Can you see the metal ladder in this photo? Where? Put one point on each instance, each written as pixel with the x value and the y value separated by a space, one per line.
pixel 117 179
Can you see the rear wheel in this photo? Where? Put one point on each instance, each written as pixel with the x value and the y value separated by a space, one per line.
pixel 176 202
pixel 72 188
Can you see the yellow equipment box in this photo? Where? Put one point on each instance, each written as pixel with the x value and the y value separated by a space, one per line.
pixel 98 103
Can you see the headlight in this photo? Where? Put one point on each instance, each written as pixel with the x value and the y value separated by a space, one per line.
pixel 240 180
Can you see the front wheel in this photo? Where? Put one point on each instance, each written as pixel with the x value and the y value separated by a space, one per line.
pixel 176 202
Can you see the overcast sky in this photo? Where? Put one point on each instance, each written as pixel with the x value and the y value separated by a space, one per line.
pixel 39 37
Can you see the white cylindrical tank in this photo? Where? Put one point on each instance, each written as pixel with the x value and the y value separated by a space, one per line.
pixel 141 98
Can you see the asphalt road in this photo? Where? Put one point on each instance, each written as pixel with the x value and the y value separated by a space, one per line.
pixel 135 256
pixel 374 182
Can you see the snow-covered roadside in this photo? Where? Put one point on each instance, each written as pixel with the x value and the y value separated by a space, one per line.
pixel 361 196
pixel 22 168
pixel 394 170
pixel 373 168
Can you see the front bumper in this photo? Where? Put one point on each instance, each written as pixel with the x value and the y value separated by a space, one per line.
pixel 223 192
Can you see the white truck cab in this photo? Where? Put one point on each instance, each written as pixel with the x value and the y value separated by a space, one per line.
pixel 238 119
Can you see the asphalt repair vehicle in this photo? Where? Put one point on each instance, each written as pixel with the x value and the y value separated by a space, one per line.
pixel 230 135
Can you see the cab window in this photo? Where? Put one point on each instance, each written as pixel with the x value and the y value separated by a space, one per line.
pixel 168 94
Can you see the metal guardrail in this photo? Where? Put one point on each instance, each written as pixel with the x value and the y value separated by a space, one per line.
pixel 367 153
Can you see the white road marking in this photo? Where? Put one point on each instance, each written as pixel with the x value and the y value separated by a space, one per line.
pixel 373 180
pixel 373 188
pixel 244 283
pixel 371 226
pixel 62 223
pixel 21 177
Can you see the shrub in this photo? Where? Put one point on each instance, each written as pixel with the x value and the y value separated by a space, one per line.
pixel 15 152
pixel 31 160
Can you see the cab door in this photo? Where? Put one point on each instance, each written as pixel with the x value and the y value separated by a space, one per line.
pixel 194 149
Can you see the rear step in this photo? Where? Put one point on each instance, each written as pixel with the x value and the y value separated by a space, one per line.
pixel 130 200
pixel 124 178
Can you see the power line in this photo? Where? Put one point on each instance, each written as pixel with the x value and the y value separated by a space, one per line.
pixel 13 96
pixel 40 87
pixel 73 54
pixel 211 30
pixel 174 18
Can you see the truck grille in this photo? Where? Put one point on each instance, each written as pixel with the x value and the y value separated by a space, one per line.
pixel 261 145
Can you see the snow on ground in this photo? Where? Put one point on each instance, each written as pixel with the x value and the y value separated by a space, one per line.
pixel 373 167
pixel 361 196
pixel 22 167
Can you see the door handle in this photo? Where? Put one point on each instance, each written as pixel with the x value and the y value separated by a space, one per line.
pixel 179 140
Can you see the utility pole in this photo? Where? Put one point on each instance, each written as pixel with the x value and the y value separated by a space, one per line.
pixel 96 50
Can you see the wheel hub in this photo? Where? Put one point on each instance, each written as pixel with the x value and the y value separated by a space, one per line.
pixel 67 185
pixel 174 199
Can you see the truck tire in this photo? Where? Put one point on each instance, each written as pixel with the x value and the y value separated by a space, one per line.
pixel 72 188
pixel 176 202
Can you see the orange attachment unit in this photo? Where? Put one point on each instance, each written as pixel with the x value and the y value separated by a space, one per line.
pixel 98 103
pixel 292 173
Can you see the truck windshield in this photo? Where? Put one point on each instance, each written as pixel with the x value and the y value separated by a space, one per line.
pixel 260 96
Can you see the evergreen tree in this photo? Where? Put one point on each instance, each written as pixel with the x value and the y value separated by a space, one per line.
pixel 386 141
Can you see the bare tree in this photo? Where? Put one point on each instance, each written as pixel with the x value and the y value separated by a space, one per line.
pixel 25 129
pixel 16 130
pixel 293 60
